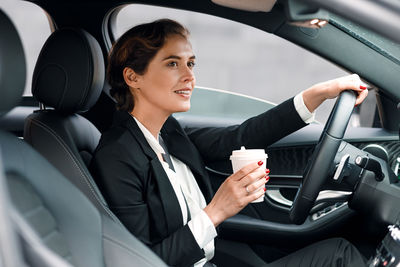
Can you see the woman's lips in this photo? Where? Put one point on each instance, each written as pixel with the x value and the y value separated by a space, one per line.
pixel 184 92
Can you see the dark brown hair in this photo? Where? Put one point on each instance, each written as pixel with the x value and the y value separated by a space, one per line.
pixel 135 49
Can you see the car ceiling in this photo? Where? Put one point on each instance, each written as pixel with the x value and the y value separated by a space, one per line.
pixel 63 10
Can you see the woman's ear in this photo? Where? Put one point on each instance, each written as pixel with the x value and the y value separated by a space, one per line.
pixel 130 77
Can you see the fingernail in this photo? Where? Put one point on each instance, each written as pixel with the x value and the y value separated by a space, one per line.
pixel 267 171
pixel 265 189
pixel 363 87
pixel 267 177
pixel 260 163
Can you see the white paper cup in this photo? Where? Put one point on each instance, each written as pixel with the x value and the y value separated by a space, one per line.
pixel 243 157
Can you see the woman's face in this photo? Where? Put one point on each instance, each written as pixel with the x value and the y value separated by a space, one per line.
pixel 168 82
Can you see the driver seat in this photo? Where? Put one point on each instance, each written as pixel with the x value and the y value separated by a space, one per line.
pixel 55 211
pixel 68 77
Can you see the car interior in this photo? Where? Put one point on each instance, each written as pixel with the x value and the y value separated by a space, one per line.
pixel 327 180
pixel 55 215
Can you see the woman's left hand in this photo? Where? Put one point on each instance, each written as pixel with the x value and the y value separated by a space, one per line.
pixel 316 94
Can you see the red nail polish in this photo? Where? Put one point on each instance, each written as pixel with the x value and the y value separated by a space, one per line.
pixel 363 87
pixel 267 171
pixel 265 189
pixel 260 163
pixel 267 177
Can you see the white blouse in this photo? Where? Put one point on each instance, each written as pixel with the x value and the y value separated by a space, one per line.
pixel 186 188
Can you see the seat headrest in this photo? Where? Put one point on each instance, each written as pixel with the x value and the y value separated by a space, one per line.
pixel 12 65
pixel 69 73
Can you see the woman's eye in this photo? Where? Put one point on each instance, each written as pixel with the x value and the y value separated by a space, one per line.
pixel 173 64
pixel 191 64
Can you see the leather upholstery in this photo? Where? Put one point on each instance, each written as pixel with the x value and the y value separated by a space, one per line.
pixel 68 142
pixel 57 224
pixel 69 77
pixel 63 218
pixel 69 73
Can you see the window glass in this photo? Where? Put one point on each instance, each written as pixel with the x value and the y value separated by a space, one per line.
pixel 232 107
pixel 239 58
pixel 33 28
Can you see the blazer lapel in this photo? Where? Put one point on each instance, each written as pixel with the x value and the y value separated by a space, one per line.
pixel 172 211
pixel 180 146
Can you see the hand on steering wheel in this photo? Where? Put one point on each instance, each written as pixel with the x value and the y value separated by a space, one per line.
pixel 318 168
pixel 318 93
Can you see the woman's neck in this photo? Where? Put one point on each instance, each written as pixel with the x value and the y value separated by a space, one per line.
pixel 153 122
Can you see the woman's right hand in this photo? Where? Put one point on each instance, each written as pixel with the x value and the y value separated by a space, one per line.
pixel 233 194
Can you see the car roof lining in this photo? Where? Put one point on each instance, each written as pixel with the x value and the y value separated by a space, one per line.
pixel 64 9
pixel 249 5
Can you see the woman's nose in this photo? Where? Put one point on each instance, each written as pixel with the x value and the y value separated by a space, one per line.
pixel 188 74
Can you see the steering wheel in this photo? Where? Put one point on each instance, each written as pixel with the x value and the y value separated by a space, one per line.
pixel 324 153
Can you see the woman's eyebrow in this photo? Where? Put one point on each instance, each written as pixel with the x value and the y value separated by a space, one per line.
pixel 177 57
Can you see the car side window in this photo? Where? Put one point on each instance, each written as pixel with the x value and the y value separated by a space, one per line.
pixel 33 27
pixel 240 59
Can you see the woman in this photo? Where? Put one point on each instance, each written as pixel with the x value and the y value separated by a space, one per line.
pixel 152 172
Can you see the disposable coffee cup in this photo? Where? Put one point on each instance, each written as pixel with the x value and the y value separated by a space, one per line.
pixel 243 157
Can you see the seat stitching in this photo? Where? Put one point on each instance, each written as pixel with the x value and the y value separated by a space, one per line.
pixel 71 155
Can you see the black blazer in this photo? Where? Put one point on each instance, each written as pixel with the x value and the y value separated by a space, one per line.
pixel 138 191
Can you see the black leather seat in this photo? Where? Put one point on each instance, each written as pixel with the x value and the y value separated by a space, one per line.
pixel 51 213
pixel 10 250
pixel 69 77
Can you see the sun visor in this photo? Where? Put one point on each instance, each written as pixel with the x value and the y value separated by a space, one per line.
pixel 248 5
